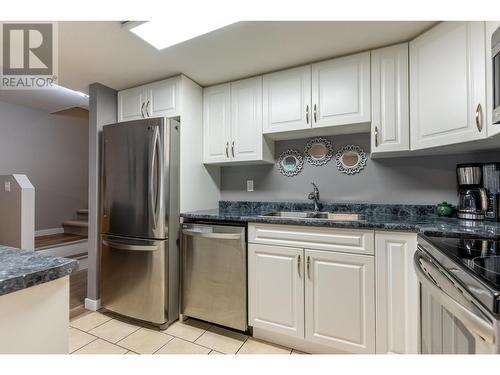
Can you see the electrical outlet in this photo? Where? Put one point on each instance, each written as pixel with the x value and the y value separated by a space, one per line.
pixel 249 185
pixel 7 186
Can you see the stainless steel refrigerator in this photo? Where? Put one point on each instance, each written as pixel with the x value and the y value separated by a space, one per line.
pixel 140 220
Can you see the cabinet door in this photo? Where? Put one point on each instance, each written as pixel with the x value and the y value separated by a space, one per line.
pixel 447 85
pixel 287 100
pixel 493 123
pixel 340 301
pixel 390 129
pixel 397 293
pixel 341 91
pixel 216 123
pixel 276 289
pixel 131 104
pixel 163 98
pixel 246 119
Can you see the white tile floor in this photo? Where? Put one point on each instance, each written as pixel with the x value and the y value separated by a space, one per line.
pixel 97 333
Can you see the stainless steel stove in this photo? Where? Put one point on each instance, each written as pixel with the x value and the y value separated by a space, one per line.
pixel 459 294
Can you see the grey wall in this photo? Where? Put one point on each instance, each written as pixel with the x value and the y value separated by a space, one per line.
pixel 412 180
pixel 103 111
pixel 52 151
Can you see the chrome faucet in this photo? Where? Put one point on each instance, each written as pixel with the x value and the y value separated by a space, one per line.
pixel 314 196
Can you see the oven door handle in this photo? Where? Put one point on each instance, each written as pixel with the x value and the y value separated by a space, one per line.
pixel 471 320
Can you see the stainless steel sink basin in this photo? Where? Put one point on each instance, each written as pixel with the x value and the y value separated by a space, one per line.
pixel 332 216
pixel 340 216
pixel 291 214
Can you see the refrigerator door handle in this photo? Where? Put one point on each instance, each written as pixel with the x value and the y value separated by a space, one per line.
pixel 153 188
pixel 125 246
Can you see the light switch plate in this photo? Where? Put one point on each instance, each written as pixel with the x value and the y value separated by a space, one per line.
pixel 7 186
pixel 249 185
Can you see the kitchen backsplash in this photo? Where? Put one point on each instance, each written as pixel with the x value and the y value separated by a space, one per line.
pixel 401 180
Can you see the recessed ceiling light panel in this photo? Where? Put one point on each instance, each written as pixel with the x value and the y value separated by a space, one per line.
pixel 163 34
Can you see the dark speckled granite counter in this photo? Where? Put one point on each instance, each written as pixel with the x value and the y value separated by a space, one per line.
pixel 20 269
pixel 409 218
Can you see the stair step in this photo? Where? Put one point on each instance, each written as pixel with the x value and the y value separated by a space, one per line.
pixel 79 227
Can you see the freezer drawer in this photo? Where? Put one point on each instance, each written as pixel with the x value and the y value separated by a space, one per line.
pixel 214 274
pixel 133 277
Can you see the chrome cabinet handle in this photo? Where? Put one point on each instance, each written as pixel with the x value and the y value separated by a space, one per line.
pixel 479 117
pixel 142 110
pixel 376 136
pixel 232 148
pixel 308 267
pixel 298 264
pixel 227 150
pixel 314 113
pixel 307 114
pixel 147 106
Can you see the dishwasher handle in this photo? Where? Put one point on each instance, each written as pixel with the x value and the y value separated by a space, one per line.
pixel 213 235
pixel 435 284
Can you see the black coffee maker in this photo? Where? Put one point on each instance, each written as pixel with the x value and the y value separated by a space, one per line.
pixel 472 197
pixel 491 182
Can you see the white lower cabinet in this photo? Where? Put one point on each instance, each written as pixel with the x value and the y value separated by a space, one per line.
pixel 330 298
pixel 318 300
pixel 397 293
pixel 340 300
pixel 276 289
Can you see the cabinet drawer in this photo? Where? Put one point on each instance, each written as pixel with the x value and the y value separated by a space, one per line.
pixel 344 240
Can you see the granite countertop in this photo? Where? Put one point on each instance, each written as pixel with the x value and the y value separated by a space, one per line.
pixel 20 269
pixel 409 218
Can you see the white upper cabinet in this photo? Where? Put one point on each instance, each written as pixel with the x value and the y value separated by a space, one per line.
pixel 217 123
pixel 246 119
pixel 158 99
pixel 448 85
pixel 287 100
pixel 163 98
pixel 397 293
pixel 493 128
pixel 390 127
pixel 131 104
pixel 341 91
pixel 232 123
pixel 276 289
pixel 340 301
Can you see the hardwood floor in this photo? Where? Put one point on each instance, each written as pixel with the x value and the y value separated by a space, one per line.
pixel 56 239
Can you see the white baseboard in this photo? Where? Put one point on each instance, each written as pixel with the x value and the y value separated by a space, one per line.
pixel 48 232
pixel 92 304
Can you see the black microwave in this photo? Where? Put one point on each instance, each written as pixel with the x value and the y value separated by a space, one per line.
pixel 495 54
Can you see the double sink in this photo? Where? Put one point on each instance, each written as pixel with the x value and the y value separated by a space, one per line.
pixel 332 216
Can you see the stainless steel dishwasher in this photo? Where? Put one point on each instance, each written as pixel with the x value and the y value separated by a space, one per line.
pixel 214 274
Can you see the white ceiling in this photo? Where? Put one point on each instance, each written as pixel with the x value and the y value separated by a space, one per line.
pixel 53 100
pixel 106 52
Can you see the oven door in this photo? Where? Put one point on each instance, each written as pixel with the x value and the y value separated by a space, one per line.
pixel 450 322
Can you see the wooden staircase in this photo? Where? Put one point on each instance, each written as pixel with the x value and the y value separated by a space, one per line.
pixel 78 226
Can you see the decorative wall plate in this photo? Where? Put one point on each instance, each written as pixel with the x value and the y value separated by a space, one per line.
pixel 318 151
pixel 350 159
pixel 290 163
